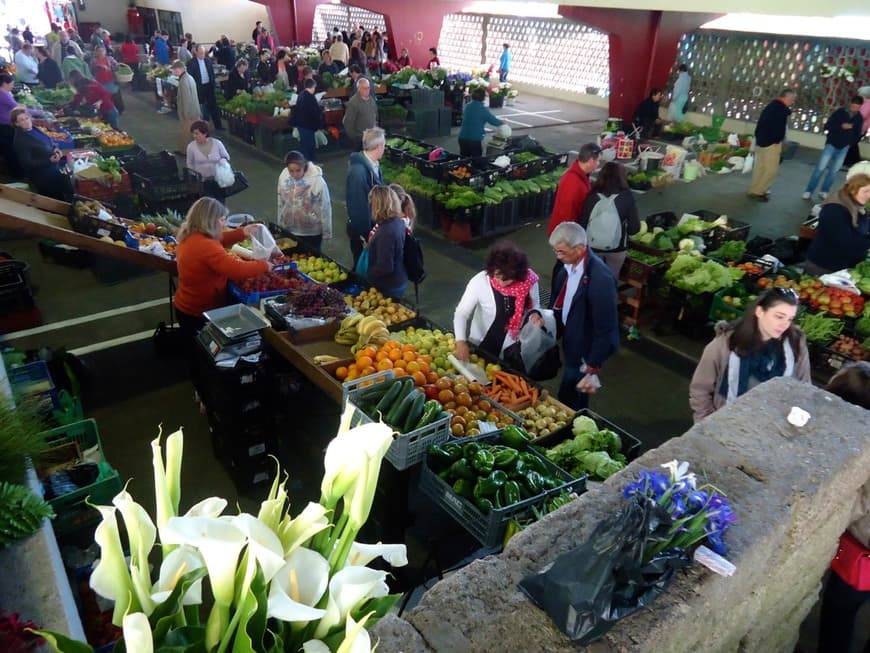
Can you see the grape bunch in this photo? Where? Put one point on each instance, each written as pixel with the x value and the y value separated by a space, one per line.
pixel 273 280
pixel 317 300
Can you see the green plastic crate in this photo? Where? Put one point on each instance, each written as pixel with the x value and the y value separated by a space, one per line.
pixel 108 483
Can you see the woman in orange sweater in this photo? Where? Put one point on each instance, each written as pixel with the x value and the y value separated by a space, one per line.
pixel 204 266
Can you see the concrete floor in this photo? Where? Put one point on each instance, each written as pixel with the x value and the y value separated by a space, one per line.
pixel 132 392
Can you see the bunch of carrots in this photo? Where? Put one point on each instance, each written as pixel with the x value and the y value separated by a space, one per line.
pixel 510 390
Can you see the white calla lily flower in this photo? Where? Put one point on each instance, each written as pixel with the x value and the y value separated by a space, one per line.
pixel 356 637
pixel 347 589
pixel 308 523
pixel 219 542
pixel 180 561
pixel 272 508
pixel 111 577
pixel 362 554
pixel 298 587
pixel 211 507
pixel 263 544
pixel 174 454
pixel 341 468
pixel 315 646
pixel 137 633
pixel 141 535
pixel 372 440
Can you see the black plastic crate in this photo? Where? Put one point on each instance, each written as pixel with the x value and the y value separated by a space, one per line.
pixel 161 165
pixel 736 230
pixel 630 445
pixel 95 227
pixel 65 254
pixel 154 191
pixel 662 219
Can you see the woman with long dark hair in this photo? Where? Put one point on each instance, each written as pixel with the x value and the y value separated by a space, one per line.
pixel 612 186
pixel 761 345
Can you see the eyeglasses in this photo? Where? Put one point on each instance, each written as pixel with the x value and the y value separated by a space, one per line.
pixel 785 292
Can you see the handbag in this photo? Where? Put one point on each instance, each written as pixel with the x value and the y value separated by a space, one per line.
pixel 852 562
pixel 362 264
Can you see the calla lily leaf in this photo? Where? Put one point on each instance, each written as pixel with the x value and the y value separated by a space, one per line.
pixel 187 639
pixel 61 643
pixel 377 608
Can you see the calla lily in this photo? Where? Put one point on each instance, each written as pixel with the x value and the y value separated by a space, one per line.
pixel 356 637
pixel 263 544
pixel 141 535
pixel 218 541
pixel 167 479
pixel 372 440
pixel 211 507
pixel 272 508
pixel 298 587
pixel 315 646
pixel 111 577
pixel 347 589
pixel 180 561
pixel 362 554
pixel 308 523
pixel 340 469
pixel 137 633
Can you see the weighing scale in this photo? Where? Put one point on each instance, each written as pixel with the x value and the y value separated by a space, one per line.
pixel 231 332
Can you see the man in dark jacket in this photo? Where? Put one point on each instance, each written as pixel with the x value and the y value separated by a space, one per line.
pixel 769 135
pixel 845 128
pixel 363 174
pixel 583 299
pixel 202 71
pixel 308 118
pixel 646 116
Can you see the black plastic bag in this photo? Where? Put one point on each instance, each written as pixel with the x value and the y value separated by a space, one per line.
pixel 588 589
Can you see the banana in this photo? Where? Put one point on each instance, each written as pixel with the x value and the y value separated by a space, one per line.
pixel 370 328
pixel 325 359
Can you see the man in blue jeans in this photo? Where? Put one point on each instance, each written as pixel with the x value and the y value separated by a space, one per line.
pixel 844 129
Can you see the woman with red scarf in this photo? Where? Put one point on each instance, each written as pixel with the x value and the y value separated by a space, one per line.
pixel 495 301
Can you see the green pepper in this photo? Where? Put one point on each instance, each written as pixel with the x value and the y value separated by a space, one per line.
pixel 534 482
pixel 439 456
pixel 431 411
pixel 483 461
pixel 506 458
pixel 464 488
pixel 535 463
pixel 444 475
pixel 470 449
pixel 514 436
pixel 483 504
pixel 498 498
pixel 510 493
pixel 454 449
pixel 551 483
pixel 487 486
pixel 461 469
pixel 519 468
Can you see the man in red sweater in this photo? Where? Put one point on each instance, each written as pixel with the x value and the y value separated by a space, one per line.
pixel 574 186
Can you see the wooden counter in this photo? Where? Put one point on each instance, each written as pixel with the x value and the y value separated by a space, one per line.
pixel 44 217
pixel 301 355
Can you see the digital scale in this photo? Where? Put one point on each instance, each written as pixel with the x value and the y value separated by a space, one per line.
pixel 231 332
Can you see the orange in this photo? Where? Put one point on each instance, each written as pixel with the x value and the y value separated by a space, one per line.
pixel 425 357
pixel 408 347
pixel 409 356
pixel 419 378
pixel 395 354
pixel 431 377
pixel 393 344
pixel 353 368
pixel 399 365
pixel 424 365
pixel 351 375
pixel 385 364
pixel 368 351
pixel 364 361
pixel 367 370
pixel 399 371
pixel 413 366
pixel 340 372
pixel 381 355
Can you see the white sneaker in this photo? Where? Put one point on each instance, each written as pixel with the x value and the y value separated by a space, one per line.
pixel 164 110
pixel 823 195
pixel 807 196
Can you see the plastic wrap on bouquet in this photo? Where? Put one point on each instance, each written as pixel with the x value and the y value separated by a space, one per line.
pixel 588 589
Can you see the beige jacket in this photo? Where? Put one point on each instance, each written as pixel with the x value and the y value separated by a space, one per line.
pixel 187 103
pixel 717 360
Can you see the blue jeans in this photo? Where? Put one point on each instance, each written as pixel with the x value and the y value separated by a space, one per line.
pixel 502 76
pixel 831 160
pixel 112 119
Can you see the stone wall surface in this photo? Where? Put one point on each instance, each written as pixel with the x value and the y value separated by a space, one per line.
pixel 792 489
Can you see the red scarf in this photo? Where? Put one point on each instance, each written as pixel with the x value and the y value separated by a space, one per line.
pixel 519 290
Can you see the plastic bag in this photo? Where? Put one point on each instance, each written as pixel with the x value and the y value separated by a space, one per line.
pixel 223 174
pixel 320 139
pixel 588 589
pixel 748 163
pixel 536 352
pixel 262 242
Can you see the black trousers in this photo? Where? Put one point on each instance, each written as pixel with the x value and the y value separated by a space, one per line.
pixel 470 148
pixel 356 246
pixel 208 100
pixel 840 605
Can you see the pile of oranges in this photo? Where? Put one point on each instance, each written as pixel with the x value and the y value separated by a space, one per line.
pixel 392 355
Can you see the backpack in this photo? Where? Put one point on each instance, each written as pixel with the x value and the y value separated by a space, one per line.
pixel 604 229
pixel 413 259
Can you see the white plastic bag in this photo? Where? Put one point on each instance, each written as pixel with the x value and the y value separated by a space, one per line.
pixel 223 174
pixel 748 163
pixel 536 341
pixel 320 139
pixel 262 242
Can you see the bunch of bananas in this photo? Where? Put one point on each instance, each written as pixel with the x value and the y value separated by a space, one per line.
pixel 348 333
pixel 359 331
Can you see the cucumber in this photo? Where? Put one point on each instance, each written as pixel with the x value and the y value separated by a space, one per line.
pixel 397 416
pixel 415 412
pixel 406 384
pixel 387 400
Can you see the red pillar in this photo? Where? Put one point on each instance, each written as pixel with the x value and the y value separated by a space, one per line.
pixel 643 46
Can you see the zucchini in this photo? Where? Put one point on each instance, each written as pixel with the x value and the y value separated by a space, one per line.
pixel 388 399
pixel 415 412
pixel 397 416
pixel 405 384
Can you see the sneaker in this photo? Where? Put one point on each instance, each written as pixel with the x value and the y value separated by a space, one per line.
pixel 807 196
pixel 823 195
pixel 164 110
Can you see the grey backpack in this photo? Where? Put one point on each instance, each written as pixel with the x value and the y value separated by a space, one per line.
pixel 604 229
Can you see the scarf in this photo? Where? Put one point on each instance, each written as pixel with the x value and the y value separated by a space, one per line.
pixel 519 290
pixel 773 360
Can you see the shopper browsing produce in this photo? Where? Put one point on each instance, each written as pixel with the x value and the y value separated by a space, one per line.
pixel 203 155
pixel 843 235
pixel 308 118
pixel 574 187
pixel 304 208
pixel 761 345
pixel 204 266
pixel 39 157
pixel 361 113
pixel 49 72
pixel 474 117
pixel 646 116
pixel 97 96
pixel 238 80
pixel 841 601
pixel 618 209
pixel 386 243
pixel 186 104
pixel 491 310
pixel 680 95
pixel 363 174
pixel 583 297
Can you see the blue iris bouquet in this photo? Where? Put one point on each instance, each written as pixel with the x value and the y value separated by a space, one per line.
pixel 696 513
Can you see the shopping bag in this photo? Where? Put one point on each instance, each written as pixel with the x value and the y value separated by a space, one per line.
pixel 262 243
pixel 536 352
pixel 223 174
pixel 320 139
pixel 588 589
pixel 362 264
pixel 748 163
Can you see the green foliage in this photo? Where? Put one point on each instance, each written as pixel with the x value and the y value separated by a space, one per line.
pixel 697 276
pixel 21 512
pixel 21 430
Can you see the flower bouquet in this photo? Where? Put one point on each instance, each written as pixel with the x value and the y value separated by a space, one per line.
pixel 632 558
pixel 277 582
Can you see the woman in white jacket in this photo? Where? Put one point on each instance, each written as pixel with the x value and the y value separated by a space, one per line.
pixel 304 208
pixel 495 302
